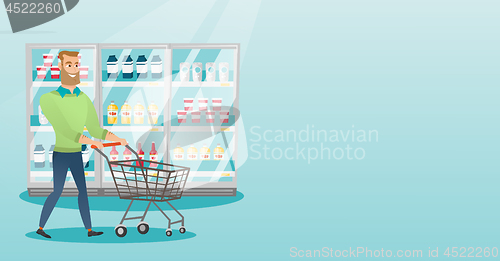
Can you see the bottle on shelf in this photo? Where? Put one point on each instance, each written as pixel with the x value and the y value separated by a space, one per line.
pixel 127 155
pixel 85 155
pixel 39 156
pixel 156 67
pixel 127 67
pixel 142 67
pixel 192 153
pixel 197 72
pixel 210 72
pixel 184 71
pixel 138 113
pixel 141 155
pixel 224 72
pixel 178 153
pixel 51 154
pixel 218 153
pixel 205 152
pixel 112 66
pixel 113 155
pixel 152 113
pixel 126 113
pixel 41 117
pixel 153 155
pixel 112 113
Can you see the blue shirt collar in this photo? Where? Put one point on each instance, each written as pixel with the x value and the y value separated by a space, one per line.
pixel 63 91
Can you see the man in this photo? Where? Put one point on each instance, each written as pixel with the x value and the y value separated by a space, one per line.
pixel 68 109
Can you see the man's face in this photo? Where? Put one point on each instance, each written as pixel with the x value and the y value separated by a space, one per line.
pixel 70 73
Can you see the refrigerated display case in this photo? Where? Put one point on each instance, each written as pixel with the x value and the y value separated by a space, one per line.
pixel 135 74
pixel 204 96
pixel 42 76
pixel 177 96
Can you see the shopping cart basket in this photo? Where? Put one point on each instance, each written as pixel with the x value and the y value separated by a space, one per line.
pixel 146 180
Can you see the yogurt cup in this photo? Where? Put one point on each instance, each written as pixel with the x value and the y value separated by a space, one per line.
pixel 195 116
pixel 210 116
pixel 181 116
pixel 84 72
pixel 224 116
pixel 48 59
pixel 224 72
pixel 216 104
pixel 188 104
pixel 202 104
pixel 54 72
pixel 41 72
pixel 197 72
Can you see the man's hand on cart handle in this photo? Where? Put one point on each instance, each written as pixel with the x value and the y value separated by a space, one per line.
pixel 112 137
pixel 97 144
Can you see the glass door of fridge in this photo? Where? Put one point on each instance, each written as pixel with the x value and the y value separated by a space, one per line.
pixel 133 102
pixel 43 76
pixel 203 102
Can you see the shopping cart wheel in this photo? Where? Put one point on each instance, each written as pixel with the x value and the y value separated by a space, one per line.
pixel 143 228
pixel 182 230
pixel 121 230
pixel 169 232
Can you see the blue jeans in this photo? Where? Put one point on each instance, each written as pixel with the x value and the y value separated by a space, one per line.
pixel 61 162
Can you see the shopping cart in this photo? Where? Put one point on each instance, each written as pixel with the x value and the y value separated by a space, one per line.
pixel 139 179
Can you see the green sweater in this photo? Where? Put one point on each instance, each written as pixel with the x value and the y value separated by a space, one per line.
pixel 68 116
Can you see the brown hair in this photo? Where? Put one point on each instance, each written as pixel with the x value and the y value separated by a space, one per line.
pixel 68 53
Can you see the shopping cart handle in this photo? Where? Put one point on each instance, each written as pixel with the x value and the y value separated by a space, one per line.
pixel 107 145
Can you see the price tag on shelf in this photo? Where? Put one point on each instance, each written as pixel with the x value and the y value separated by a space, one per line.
pixel 226 84
pixel 153 84
pixel 225 129
pixel 225 174
pixel 154 129
pixel 84 84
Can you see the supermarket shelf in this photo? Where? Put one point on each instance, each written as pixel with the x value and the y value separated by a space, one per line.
pixel 202 84
pixel 37 84
pixel 134 128
pixel 215 129
pixel 109 84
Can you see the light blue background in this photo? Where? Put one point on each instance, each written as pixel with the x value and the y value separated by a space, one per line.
pixel 423 73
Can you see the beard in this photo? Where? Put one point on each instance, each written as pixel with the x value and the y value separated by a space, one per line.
pixel 68 80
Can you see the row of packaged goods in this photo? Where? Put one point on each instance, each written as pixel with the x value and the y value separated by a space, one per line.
pixel 114 155
pixel 210 72
pixel 192 153
pixel 48 59
pixel 138 113
pixel 39 156
pixel 157 69
pixel 202 107
pixel 141 67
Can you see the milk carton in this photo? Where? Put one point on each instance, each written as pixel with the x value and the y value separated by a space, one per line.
pixel 224 72
pixel 156 67
pixel 112 66
pixel 142 67
pixel 128 67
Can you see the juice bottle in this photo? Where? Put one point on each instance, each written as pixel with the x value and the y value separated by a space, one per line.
pixel 141 156
pixel 178 153
pixel 218 153
pixel 205 152
pixel 138 113
pixel 113 155
pixel 112 113
pixel 126 113
pixel 127 155
pixel 153 156
pixel 152 113
pixel 192 153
